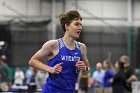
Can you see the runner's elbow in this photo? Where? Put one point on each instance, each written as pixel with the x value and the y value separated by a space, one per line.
pixel 31 62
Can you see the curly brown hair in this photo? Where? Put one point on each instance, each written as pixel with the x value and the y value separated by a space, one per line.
pixel 68 17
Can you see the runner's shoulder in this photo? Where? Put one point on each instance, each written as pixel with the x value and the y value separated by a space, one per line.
pixel 51 43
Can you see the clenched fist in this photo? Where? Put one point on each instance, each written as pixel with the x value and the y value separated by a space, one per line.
pixel 81 65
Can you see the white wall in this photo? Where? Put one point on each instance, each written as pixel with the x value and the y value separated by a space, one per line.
pixel 112 11
pixel 46 8
pixel 9 7
pixel 136 13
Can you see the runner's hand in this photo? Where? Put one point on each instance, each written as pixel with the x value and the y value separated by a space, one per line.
pixel 81 65
pixel 56 69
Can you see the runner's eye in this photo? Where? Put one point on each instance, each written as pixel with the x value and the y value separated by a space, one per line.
pixel 78 24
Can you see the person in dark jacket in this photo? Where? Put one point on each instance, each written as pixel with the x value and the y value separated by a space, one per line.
pixel 129 74
pixel 118 81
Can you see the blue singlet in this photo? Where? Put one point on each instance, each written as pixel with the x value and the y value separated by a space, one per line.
pixel 65 81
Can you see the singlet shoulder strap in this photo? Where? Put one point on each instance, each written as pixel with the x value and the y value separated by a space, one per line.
pixel 77 45
pixel 60 42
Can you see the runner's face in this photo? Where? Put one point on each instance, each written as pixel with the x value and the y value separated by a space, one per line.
pixel 75 28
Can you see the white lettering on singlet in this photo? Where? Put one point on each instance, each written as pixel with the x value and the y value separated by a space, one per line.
pixel 70 58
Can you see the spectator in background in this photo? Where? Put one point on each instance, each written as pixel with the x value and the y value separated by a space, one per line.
pixel 118 81
pixel 129 73
pixel 28 75
pixel 34 72
pixel 4 71
pixel 5 87
pixel 4 76
pixel 40 78
pixel 18 77
pixel 32 84
pixel 97 78
pixel 109 74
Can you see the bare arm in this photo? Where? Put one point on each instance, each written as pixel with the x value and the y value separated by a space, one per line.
pixel 45 51
pixel 83 64
pixel 84 54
